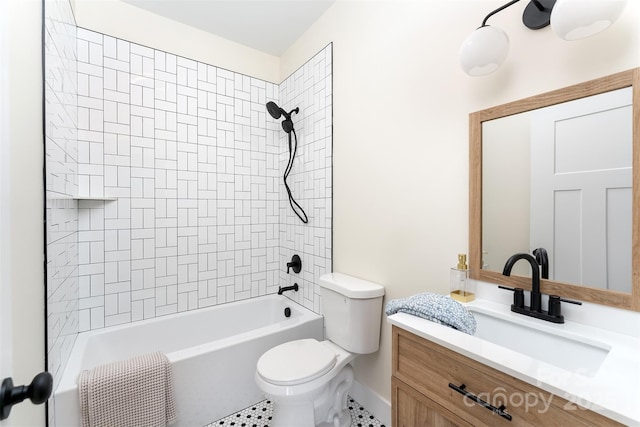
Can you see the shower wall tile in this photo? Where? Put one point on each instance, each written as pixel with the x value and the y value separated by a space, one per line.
pixel 310 89
pixel 61 151
pixel 194 164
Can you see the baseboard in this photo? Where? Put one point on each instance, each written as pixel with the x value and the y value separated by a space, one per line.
pixel 372 402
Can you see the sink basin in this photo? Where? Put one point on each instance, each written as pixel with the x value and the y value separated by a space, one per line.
pixel 574 353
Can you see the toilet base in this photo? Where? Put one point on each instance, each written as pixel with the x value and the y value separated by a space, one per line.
pixel 294 414
pixel 323 407
pixel 343 420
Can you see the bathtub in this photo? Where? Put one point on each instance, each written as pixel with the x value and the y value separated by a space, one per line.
pixel 213 353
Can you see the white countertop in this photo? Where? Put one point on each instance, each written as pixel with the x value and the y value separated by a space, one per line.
pixel 614 390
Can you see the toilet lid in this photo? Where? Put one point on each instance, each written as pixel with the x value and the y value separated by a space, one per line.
pixel 295 362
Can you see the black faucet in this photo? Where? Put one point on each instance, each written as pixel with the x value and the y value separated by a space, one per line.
pixel 543 259
pixel 535 310
pixel 535 277
pixel 288 288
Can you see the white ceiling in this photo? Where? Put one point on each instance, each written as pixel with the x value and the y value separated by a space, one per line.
pixel 270 26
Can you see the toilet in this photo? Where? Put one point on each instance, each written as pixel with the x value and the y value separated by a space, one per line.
pixel 308 380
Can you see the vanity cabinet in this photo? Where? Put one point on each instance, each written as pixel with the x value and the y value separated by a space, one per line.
pixel 426 376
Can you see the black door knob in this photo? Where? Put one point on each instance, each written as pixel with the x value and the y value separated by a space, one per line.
pixel 38 392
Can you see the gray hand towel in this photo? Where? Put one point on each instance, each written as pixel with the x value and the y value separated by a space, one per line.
pixel 137 392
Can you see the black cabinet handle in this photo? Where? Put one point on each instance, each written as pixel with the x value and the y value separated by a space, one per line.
pixel 38 391
pixel 499 411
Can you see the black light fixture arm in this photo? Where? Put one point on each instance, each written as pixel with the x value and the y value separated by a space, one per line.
pixel 536 14
pixel 500 9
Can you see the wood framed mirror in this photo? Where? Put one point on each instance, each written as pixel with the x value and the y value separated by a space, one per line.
pixel 512 216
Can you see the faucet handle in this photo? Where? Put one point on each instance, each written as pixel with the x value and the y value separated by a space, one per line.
pixel 518 295
pixel 570 301
pixel 554 305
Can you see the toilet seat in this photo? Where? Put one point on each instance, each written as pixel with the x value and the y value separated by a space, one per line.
pixel 296 362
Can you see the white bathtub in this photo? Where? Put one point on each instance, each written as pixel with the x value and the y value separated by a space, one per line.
pixel 213 352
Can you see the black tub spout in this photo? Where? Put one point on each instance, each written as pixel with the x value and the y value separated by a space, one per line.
pixel 287 288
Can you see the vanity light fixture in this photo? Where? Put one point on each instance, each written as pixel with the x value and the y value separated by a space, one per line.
pixel 486 48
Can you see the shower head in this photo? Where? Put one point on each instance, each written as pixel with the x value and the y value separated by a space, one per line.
pixel 276 111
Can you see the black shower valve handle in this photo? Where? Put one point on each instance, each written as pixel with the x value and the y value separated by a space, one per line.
pixel 295 264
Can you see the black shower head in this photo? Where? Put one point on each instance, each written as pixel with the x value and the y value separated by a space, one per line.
pixel 276 111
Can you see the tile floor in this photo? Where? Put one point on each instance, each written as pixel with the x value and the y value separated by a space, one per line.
pixel 259 415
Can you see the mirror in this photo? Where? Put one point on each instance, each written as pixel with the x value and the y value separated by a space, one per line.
pixel 560 171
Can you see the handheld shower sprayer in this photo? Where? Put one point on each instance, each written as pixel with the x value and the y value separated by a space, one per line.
pixel 277 112
pixel 287 125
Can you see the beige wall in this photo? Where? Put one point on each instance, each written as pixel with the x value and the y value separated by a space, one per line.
pixel 122 20
pixel 26 206
pixel 401 106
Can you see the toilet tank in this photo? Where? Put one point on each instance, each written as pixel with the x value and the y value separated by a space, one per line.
pixel 352 310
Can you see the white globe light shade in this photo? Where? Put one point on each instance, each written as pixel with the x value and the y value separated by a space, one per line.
pixel 484 51
pixel 577 19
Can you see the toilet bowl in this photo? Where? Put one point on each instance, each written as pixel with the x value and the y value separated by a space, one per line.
pixel 310 388
pixel 308 380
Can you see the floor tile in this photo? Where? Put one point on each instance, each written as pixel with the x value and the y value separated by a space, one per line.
pixel 260 414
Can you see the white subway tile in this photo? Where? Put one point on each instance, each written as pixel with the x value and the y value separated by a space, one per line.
pixel 83 84
pixel 109 45
pixel 160 63
pixel 136 95
pixel 123 50
pixel 83 51
pixel 142 50
pixel 136 64
pixel 96 87
pixel 95 54
pixel 84 320
pixel 123 82
pixel 137 310
pixel 90 69
pixel 147 67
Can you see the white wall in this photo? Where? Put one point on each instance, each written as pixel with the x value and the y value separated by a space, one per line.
pixel 122 20
pixel 401 106
pixel 26 207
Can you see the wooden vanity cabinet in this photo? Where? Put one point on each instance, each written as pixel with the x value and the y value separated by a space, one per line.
pixel 421 395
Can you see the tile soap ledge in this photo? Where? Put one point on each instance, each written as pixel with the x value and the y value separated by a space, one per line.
pixel 99 199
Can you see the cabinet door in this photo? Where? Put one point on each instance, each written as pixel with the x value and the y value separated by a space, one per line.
pixel 412 409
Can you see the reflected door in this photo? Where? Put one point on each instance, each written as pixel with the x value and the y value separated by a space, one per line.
pixel 581 189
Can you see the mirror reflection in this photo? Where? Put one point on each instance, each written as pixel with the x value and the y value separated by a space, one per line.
pixel 560 178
